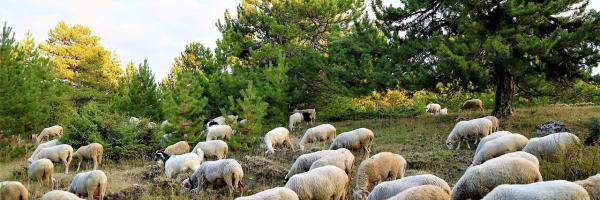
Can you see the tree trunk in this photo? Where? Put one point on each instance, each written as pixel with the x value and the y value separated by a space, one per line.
pixel 504 93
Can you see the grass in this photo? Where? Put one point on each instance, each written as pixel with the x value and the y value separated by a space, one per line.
pixel 419 139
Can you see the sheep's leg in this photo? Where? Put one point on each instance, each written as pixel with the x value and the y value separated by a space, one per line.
pixel 468 146
pixel 95 162
pixel 458 146
pixel 78 164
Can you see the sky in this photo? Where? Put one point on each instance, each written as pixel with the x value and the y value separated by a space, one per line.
pixel 157 30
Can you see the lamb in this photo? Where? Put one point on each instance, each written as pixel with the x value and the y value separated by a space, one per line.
pixel 50 143
pixel 361 138
pixel 178 148
pixel 177 164
pixel 50 132
pixel 304 162
pixel 323 132
pixel 341 158
pixel 277 193
pixel 91 184
pixel 214 149
pixel 481 179
pixel 219 132
pixel 93 151
pixel 495 122
pixel 433 108
pixel 41 170
pixel 215 173
pixel 277 136
pixel 499 146
pixel 524 155
pixel 60 195
pixel 295 119
pixel 472 104
pixel 592 186
pixel 13 190
pixel 389 189
pixel 551 146
pixel 384 166
pixel 308 115
pixel 549 190
pixel 463 130
pixel 326 182
pixel 429 192
pixel 59 153
pixel 491 137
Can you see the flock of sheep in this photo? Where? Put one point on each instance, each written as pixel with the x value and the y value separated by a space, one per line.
pixel 505 165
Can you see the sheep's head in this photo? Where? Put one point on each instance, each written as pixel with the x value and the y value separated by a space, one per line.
pixel 161 155
pixel 187 183
pixel 450 144
pixel 360 194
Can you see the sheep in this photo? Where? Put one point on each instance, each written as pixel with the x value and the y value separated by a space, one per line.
pixel 177 164
pixel 221 120
pixel 308 115
pixel 485 126
pixel 592 186
pixel 215 173
pixel 495 122
pixel 219 132
pixel 134 121
pixel 551 146
pixel 444 111
pixel 41 170
pixel 429 192
pixel 93 151
pixel 326 182
pixel 341 158
pixel 361 138
pixel 60 195
pixel 389 189
pixel 524 155
pixel 13 190
pixel 178 148
pixel 295 119
pixel 91 184
pixel 214 149
pixel 59 153
pixel 50 132
pixel 165 124
pixel 433 108
pixel 323 132
pixel 384 166
pixel 277 136
pixel 479 180
pixel 549 190
pixel 463 130
pixel 277 193
pixel 151 125
pixel 304 162
pixel 490 137
pixel 499 146
pixel 472 104
pixel 50 143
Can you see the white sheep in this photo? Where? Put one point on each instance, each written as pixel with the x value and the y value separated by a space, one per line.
pixel 389 189
pixel 275 137
pixel 50 143
pixel 165 124
pixel 219 132
pixel 303 162
pixel 295 119
pixel 90 184
pixel 495 122
pixel 384 166
pixel 309 115
pixel 214 149
pixel 60 153
pixel 341 158
pixel 277 193
pixel 592 186
pixel 41 170
pixel 433 108
pixel 178 148
pixel 479 180
pixel 463 130
pixel 499 146
pixel 177 164
pixel 323 132
pixel 215 172
pixel 444 111
pixel 326 182
pixel 93 151
pixel 134 121
pixel 50 132
pixel 429 192
pixel 551 146
pixel 486 126
pixel 549 190
pixel 490 137
pixel 13 190
pixel 356 139
pixel 221 120
pixel 60 195
pixel 522 154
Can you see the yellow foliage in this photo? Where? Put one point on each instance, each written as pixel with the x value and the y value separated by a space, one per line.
pixel 377 101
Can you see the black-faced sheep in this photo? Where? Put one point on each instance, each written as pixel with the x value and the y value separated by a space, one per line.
pixel 217 173
pixel 549 190
pixel 323 132
pixel 62 153
pixel 303 162
pixel 551 146
pixel 13 190
pixel 389 189
pixel 326 182
pixel 429 192
pixel 384 166
pixel 50 132
pixel 93 151
pixel 275 137
pixel 357 139
pixel 89 184
pixel 214 149
pixel 308 115
pixel 277 193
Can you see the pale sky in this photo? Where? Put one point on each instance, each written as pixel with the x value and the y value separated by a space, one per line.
pixel 157 30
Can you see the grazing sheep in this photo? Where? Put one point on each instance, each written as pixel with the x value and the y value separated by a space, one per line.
pixel 59 153
pixel 592 186
pixel 549 190
pixel 41 170
pixel 463 130
pixel 90 184
pixel 50 132
pixel 215 173
pixel 384 166
pixel 177 164
pixel 93 151
pixel 323 132
pixel 499 146
pixel 481 179
pixel 34 137
pixel 303 162
pixel 341 158
pixel 472 104
pixel 495 122
pixel 60 195
pixel 433 108
pixel 178 148
pixel 50 143
pixel 444 111
pixel 356 139
pixel 485 126
pixel 490 137
pixel 295 119
pixel 326 182
pixel 429 192
pixel 277 193
pixel 277 136
pixel 522 154
pixel 13 190
pixel 216 132
pixel 551 146
pixel 214 149
pixel 308 115
pixel 221 120
pixel 389 189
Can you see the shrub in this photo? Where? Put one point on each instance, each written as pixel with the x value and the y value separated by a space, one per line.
pixel 593 126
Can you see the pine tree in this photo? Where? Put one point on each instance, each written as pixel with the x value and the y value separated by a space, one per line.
pixel 142 94
pixel 253 108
